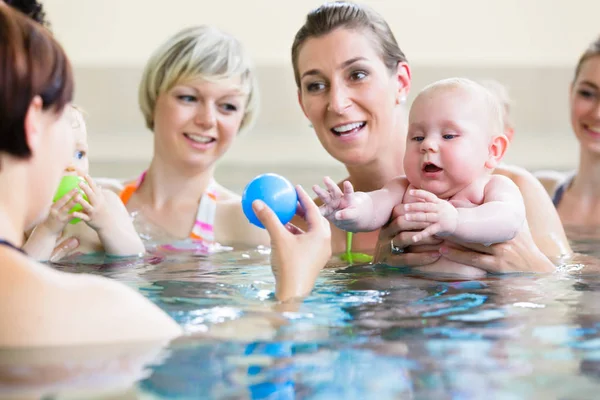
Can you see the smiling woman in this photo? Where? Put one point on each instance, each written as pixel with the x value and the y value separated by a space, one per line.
pixel 577 196
pixel 197 92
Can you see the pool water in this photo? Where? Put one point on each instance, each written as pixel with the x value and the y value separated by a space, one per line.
pixel 366 332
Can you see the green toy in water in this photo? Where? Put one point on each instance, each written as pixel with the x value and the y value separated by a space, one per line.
pixel 354 257
pixel 68 183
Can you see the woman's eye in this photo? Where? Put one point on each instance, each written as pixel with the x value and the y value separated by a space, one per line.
pixel 186 98
pixel 586 93
pixel 358 75
pixel 315 86
pixel 229 107
pixel 79 154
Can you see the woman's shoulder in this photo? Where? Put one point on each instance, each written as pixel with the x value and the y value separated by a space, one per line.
pixel 88 317
pixel 225 195
pixel 524 179
pixel 233 226
pixel 551 180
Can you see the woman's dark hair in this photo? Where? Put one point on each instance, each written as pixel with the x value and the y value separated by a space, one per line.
pixel 32 8
pixel 32 64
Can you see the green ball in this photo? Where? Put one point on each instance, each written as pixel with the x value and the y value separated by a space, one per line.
pixel 68 183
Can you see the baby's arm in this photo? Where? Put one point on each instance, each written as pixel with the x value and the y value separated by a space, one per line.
pixel 498 219
pixel 42 241
pixel 107 215
pixel 360 211
pixel 120 237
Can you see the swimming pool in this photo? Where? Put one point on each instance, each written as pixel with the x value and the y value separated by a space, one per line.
pixel 367 332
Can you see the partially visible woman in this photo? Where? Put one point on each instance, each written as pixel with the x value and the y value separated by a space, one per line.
pixel 198 91
pixel 32 8
pixel 42 306
pixel 353 81
pixel 576 194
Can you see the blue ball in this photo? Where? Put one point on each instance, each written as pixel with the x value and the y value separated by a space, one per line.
pixel 276 191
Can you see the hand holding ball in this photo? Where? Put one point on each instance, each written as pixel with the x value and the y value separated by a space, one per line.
pixel 276 192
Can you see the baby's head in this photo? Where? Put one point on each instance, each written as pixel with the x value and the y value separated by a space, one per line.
pixel 455 135
pixel 501 93
pixel 80 159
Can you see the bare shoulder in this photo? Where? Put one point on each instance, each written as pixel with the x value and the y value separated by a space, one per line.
pixel 77 309
pixel 501 181
pixel 551 179
pixel 234 228
pixel 524 179
pixel 226 195
pixel 399 182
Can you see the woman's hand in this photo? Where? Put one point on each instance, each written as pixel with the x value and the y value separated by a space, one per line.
pixel 297 257
pixel 517 255
pixel 395 242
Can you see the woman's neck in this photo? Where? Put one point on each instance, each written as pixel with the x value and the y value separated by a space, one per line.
pixel 13 204
pixel 587 180
pixel 388 164
pixel 165 181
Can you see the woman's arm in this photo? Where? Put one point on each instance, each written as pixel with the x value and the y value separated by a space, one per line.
pixel 545 225
pixel 297 257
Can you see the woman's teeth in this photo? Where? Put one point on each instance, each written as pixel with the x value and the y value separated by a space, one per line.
pixel 198 138
pixel 347 128
pixel 595 129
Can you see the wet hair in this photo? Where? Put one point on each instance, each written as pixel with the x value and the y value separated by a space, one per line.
pixel 200 52
pixel 492 104
pixel 32 64
pixel 593 50
pixel 32 8
pixel 341 14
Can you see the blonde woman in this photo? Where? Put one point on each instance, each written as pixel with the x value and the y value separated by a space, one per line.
pixel 198 92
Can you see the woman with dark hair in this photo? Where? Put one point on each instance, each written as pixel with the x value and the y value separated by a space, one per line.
pixel 36 144
pixel 32 8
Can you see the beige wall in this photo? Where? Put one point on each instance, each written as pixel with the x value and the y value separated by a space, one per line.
pixel 530 45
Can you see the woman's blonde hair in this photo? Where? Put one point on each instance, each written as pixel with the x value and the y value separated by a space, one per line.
pixel 200 52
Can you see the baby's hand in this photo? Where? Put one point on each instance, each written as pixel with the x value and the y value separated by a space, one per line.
pixel 96 213
pixel 341 208
pixel 59 215
pixel 442 216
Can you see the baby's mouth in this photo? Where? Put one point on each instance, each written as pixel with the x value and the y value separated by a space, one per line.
pixel 431 167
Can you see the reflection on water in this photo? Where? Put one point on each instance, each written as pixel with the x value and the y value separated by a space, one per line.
pixel 367 332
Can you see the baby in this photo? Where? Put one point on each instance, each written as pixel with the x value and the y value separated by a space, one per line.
pixel 455 140
pixel 105 223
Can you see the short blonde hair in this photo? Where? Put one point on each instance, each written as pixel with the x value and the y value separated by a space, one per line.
pixel 492 103
pixel 202 52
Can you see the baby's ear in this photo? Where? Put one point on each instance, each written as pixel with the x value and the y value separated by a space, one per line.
pixel 496 151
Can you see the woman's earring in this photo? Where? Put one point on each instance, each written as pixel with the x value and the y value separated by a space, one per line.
pixel 402 99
